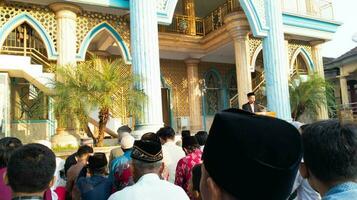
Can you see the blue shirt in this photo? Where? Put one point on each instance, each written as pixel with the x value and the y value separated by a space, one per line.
pixel 96 187
pixel 118 161
pixel 344 191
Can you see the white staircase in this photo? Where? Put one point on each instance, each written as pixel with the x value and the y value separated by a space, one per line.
pixel 21 67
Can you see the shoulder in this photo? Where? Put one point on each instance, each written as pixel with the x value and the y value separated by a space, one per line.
pixel 126 193
pixel 175 190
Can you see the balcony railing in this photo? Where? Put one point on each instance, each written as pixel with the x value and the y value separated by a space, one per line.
pixel 198 26
pixel 316 8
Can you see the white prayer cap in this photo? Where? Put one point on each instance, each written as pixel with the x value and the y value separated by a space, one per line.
pixel 45 143
pixel 127 142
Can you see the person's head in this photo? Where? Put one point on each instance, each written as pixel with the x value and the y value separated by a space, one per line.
pixel 122 131
pixel 97 164
pixel 166 133
pixel 190 144
pixel 194 185
pixel 150 136
pixel 127 142
pixel 251 97
pixel 7 146
pixel 268 151
pixel 201 137
pixel 84 152
pixel 146 158
pixel 31 169
pixel 185 133
pixel 330 153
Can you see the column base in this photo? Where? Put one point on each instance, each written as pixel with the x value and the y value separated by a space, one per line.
pixel 64 138
pixel 145 128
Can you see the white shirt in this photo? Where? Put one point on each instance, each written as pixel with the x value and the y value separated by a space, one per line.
pixel 252 107
pixel 172 154
pixel 304 190
pixel 151 187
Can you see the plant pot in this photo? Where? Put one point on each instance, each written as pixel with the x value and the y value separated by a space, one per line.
pixel 64 138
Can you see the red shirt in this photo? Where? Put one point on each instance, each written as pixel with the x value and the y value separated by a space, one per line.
pixel 184 168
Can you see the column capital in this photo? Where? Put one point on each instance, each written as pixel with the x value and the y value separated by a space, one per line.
pixel 317 44
pixel 192 61
pixel 237 25
pixel 65 10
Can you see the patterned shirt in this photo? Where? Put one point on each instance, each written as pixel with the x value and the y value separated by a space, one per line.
pixel 184 168
pixel 344 191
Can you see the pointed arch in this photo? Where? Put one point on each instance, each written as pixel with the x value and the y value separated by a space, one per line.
pixel 9 26
pixel 94 32
pixel 257 51
pixel 306 57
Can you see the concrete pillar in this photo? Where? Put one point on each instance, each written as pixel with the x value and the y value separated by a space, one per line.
pixel 146 62
pixel 319 68
pixel 238 27
pixel 189 10
pixel 344 90
pixel 275 62
pixel 66 15
pixel 5 105
pixel 194 94
pixel 286 44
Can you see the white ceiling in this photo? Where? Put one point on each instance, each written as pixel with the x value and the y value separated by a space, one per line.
pixel 224 54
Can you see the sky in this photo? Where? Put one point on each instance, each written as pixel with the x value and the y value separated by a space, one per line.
pixel 345 12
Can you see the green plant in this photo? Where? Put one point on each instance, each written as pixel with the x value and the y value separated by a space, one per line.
pixel 309 94
pixel 96 84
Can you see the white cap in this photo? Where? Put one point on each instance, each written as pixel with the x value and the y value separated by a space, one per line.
pixel 127 142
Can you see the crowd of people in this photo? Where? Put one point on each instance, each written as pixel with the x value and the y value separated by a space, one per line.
pixel 244 157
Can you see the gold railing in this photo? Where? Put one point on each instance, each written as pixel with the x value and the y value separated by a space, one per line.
pixel 24 41
pixel 180 24
pixel 203 26
pixel 36 56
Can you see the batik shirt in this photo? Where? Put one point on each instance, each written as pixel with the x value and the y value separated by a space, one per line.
pixel 184 168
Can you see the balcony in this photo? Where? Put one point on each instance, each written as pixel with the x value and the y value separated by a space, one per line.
pixel 321 9
pixel 200 26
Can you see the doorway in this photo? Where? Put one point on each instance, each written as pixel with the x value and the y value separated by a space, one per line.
pixel 165 97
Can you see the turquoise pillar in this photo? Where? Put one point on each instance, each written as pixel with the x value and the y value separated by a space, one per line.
pixel 146 62
pixel 275 62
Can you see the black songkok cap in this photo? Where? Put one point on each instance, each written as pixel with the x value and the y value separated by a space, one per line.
pixel 262 154
pixel 189 141
pixel 97 161
pixel 147 151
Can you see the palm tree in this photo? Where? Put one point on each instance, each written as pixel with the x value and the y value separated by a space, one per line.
pixel 309 94
pixel 93 84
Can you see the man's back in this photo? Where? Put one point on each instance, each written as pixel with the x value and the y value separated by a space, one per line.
pixel 172 154
pixel 150 187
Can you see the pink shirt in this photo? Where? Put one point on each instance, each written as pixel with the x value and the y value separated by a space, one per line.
pixel 5 190
pixel 184 168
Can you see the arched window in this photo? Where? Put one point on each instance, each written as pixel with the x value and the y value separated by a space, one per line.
pixel 300 66
pixel 25 41
pixel 213 93
pixel 231 86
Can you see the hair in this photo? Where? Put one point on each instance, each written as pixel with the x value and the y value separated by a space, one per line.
pixel 97 163
pixel 141 168
pixel 196 177
pixel 166 133
pixel 250 94
pixel 201 137
pixel 151 136
pixel 7 146
pixel 330 150
pixel 124 129
pixel 185 133
pixel 85 149
pixel 31 168
pixel 190 143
